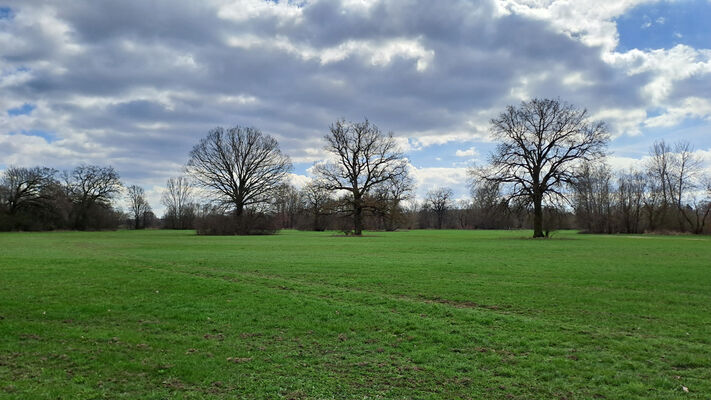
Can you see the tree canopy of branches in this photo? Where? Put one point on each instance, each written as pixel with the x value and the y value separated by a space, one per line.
pixel 439 201
pixel 179 203
pixel 674 174
pixel 388 201
pixel 286 205
pixel 541 142
pixel 240 165
pixel 316 202
pixel 364 159
pixel 26 187
pixel 91 186
pixel 594 198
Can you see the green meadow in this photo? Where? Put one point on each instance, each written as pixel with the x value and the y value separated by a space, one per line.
pixel 402 315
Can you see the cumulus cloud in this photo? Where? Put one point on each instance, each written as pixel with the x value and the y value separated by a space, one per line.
pixel 136 84
pixel 470 152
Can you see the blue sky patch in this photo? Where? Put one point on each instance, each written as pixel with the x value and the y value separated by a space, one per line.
pixel 49 137
pixel 25 109
pixel 445 155
pixel 301 167
pixel 6 13
pixel 664 24
pixel 692 130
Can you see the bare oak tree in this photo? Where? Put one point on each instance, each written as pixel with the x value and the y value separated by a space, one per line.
pixel 364 159
pixel 26 187
pixel 540 144
pixel 240 165
pixel 90 186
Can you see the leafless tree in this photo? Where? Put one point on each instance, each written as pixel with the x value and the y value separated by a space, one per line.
pixel 489 209
pixel 631 188
pixel 684 169
pixel 137 204
pixel 464 213
pixel 593 200
pixel 658 197
pixel 90 186
pixel 240 165
pixel 317 202
pixel 541 142
pixel 26 187
pixel 287 203
pixel 179 201
pixel 439 201
pixel 364 159
pixel 387 201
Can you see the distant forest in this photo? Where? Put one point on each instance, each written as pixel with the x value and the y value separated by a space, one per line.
pixel 548 173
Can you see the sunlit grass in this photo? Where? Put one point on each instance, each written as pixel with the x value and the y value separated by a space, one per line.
pixel 421 314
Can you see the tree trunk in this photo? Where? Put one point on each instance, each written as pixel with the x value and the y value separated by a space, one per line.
pixel 357 218
pixel 538 217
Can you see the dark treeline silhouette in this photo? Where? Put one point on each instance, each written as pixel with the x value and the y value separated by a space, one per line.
pixel 548 172
pixel 41 198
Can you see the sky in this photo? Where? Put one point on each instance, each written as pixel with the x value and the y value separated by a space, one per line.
pixel 135 84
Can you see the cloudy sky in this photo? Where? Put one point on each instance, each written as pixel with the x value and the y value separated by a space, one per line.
pixel 136 83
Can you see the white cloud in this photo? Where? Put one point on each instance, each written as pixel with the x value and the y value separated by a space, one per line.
pixel 695 107
pixel 114 87
pixel 376 52
pixel 590 20
pixel 470 152
pixel 244 10
pixel 427 178
pixel 299 181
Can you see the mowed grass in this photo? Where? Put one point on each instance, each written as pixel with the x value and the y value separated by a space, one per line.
pixel 420 314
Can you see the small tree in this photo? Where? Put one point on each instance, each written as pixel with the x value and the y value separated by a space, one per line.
pixel 364 159
pixel 540 144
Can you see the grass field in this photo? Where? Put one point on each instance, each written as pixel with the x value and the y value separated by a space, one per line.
pixel 421 314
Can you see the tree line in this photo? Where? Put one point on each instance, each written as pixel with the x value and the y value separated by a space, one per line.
pixel 548 172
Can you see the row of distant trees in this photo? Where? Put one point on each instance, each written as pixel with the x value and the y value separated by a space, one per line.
pixel 548 172
pixel 42 198
pixel 670 191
